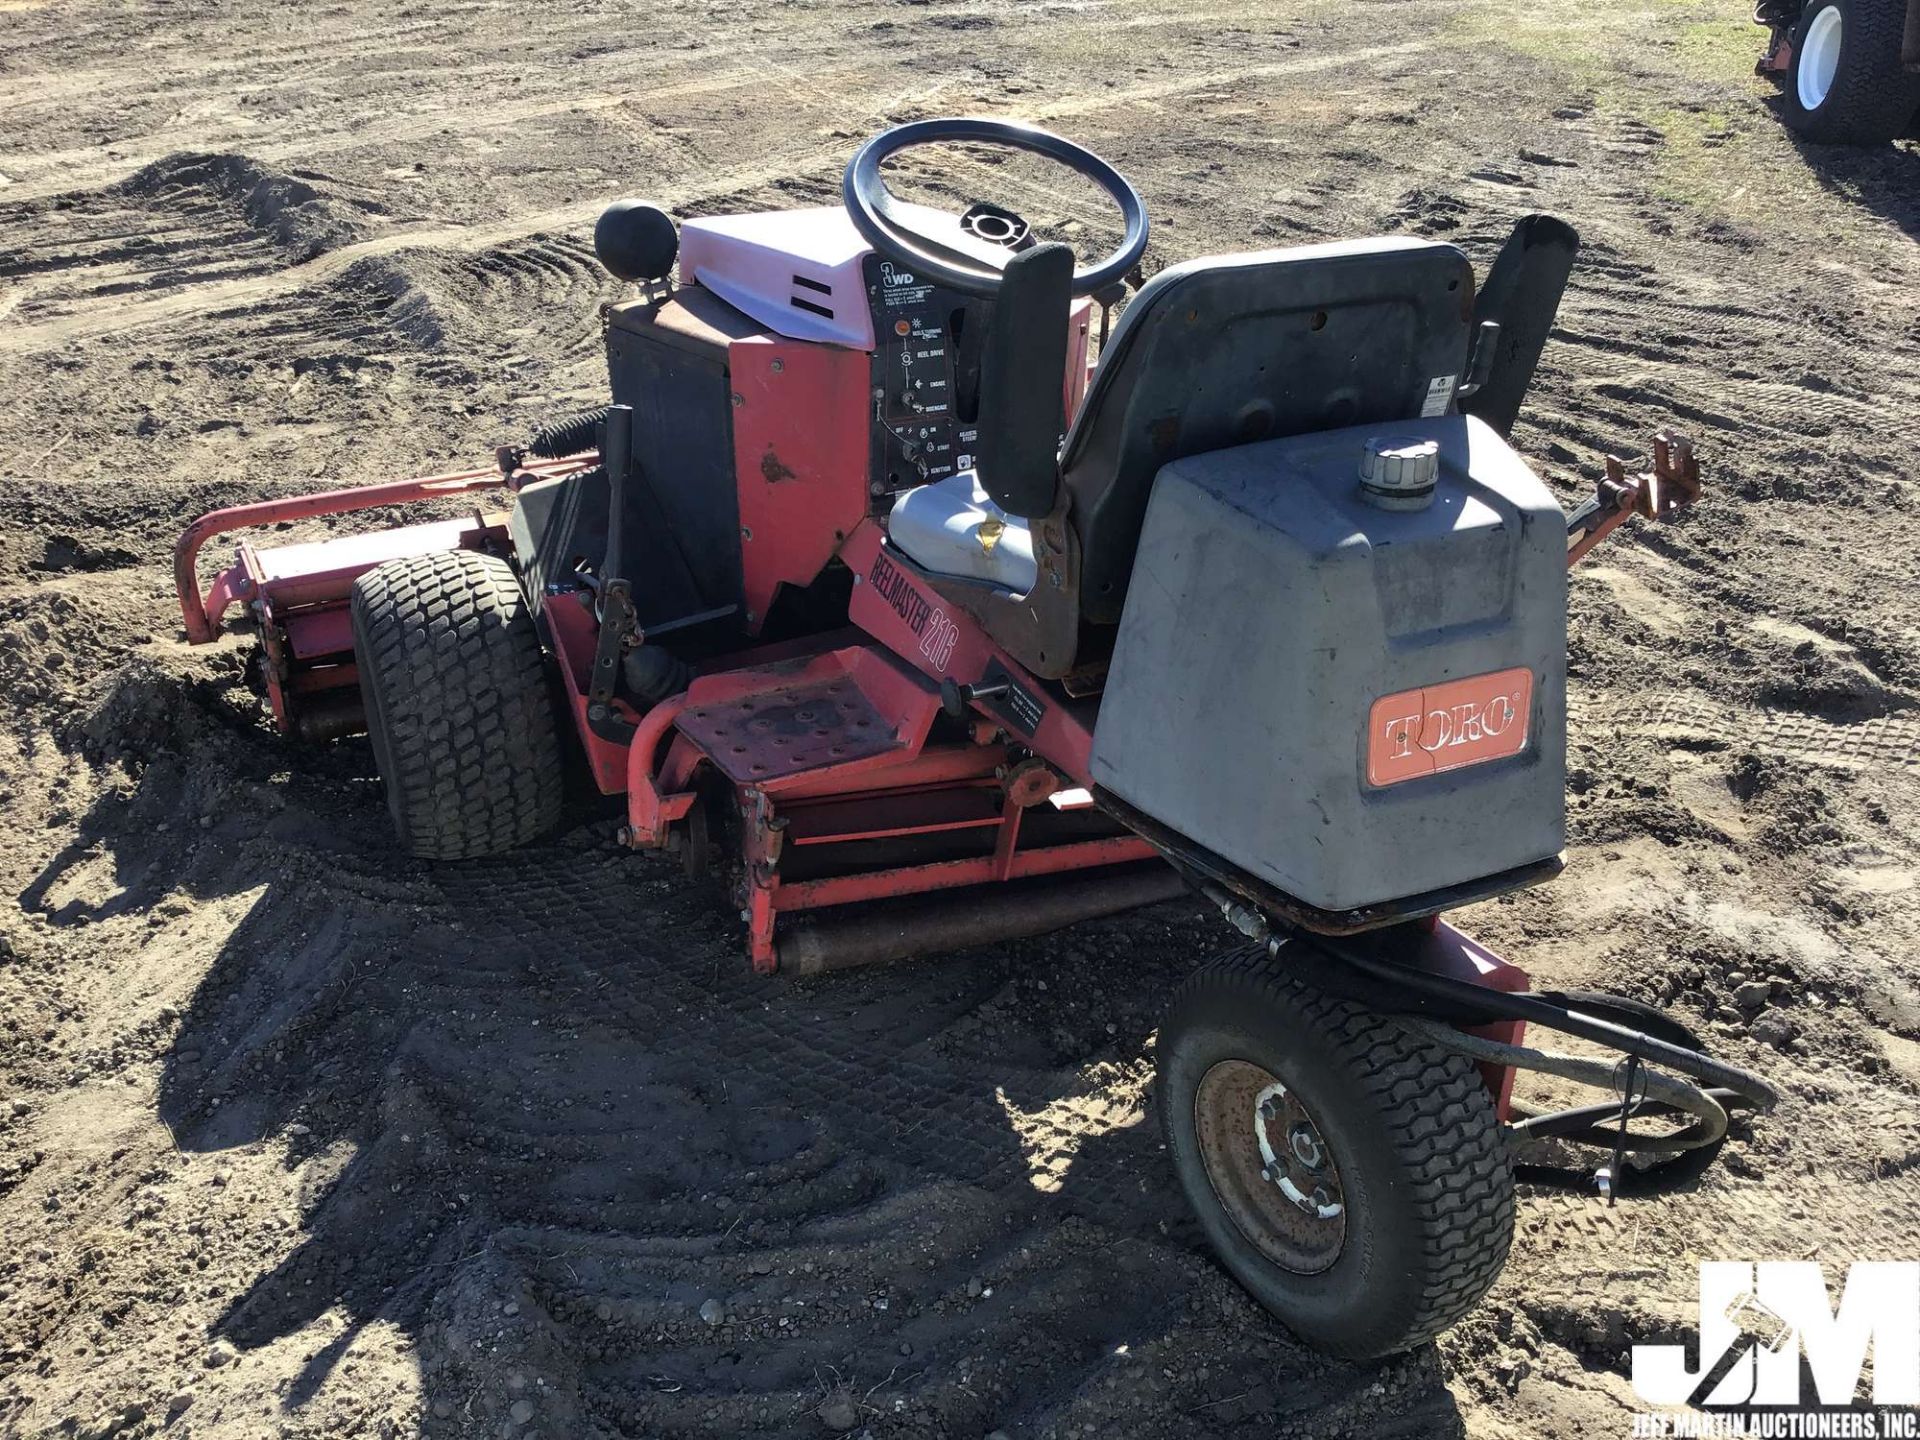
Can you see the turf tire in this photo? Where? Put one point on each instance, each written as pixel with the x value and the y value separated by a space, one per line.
pixel 1871 98
pixel 458 704
pixel 1422 1159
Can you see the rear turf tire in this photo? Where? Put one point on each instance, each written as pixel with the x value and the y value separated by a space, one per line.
pixel 458 706
pixel 1846 85
pixel 1418 1161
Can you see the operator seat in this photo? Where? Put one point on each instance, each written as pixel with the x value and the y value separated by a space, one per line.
pixel 1211 353
pixel 954 529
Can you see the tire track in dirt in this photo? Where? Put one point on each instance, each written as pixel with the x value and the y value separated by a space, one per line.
pixel 1155 91
pixel 1690 718
pixel 1631 368
pixel 265 288
pixel 187 221
pixel 257 288
pixel 742 64
pixel 849 1193
pixel 539 294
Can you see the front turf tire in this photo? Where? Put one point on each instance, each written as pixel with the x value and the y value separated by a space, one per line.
pixel 458 705
pixel 1418 1161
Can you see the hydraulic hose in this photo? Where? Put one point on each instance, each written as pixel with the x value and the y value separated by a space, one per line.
pixel 1709 1122
pixel 1542 1009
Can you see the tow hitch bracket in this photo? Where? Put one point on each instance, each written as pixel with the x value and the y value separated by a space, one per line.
pixel 1672 485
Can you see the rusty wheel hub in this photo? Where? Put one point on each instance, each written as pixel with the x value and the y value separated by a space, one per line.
pixel 1270 1167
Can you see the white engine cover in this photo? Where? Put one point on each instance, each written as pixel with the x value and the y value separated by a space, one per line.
pixel 798 271
pixel 783 267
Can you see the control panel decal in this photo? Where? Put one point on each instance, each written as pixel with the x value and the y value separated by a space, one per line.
pixel 917 435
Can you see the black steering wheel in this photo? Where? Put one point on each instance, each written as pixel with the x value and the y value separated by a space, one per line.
pixel 957 260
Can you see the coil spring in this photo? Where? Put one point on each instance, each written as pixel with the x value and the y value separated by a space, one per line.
pixel 569 436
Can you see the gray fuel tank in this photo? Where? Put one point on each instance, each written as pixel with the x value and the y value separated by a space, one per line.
pixel 1356 704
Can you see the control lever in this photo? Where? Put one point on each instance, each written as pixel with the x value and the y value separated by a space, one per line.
pixel 955 697
pixel 1486 344
pixel 1108 296
pixel 619 626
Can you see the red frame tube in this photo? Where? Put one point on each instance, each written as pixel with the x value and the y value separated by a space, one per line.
pixel 948 874
pixel 201 614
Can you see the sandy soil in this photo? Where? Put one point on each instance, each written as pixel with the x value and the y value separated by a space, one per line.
pixel 297 1138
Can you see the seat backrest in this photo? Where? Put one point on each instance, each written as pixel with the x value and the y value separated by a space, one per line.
pixel 1239 348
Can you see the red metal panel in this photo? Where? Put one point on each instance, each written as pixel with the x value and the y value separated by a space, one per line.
pixel 800 435
pixel 876 714
pixel 810 723
pixel 890 816
pixel 306 681
pixel 935 765
pixel 898 707
pixel 800 648
pixel 571 630
pixel 1448 952
pixel 326 630
pixel 321 570
pixel 944 641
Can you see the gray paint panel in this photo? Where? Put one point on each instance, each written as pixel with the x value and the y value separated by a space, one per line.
pixel 1271 605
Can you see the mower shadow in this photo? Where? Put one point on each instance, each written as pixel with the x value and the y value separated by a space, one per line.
pixel 1884 179
pixel 570 1117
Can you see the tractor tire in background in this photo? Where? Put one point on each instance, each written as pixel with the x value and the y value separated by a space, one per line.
pixel 1351 1175
pixel 1847 86
pixel 458 704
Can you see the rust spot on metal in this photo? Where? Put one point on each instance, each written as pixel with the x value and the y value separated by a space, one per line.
pixel 773 469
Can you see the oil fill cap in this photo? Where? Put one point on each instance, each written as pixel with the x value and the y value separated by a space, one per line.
pixel 1397 472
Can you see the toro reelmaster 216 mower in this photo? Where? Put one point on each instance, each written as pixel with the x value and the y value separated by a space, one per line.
pixel 869 588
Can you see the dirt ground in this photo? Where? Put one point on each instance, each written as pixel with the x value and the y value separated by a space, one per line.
pixel 299 1138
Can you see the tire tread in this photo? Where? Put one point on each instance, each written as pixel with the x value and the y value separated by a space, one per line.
pixel 1448 1135
pixel 1874 97
pixel 470 753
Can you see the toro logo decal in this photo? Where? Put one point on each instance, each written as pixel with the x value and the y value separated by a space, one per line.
pixel 935 630
pixel 1443 727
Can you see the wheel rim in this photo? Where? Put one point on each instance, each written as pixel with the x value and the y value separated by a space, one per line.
pixel 1270 1167
pixel 1819 58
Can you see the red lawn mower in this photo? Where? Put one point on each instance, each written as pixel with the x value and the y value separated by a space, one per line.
pixel 871 591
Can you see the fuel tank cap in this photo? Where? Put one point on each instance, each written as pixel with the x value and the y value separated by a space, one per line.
pixel 1397 472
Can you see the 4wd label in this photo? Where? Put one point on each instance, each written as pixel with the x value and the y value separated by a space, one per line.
pixel 1444 727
